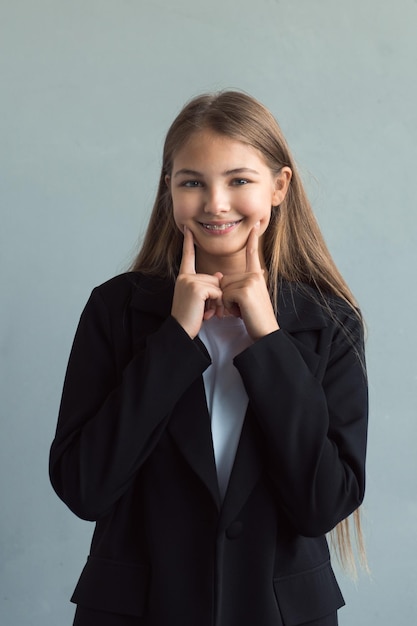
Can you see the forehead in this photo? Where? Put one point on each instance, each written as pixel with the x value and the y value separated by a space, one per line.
pixel 208 148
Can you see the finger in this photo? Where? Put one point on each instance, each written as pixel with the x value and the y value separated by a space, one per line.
pixel 214 306
pixel 219 311
pixel 234 309
pixel 210 309
pixel 188 253
pixel 253 263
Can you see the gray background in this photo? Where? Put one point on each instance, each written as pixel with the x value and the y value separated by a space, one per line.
pixel 88 89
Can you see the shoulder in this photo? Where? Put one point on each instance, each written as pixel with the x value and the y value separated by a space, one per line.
pixel 302 306
pixel 137 290
pixel 130 283
pixel 121 284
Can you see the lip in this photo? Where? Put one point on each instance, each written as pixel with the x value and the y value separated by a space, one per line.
pixel 219 227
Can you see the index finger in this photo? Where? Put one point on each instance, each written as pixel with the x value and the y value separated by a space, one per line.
pixel 188 253
pixel 253 263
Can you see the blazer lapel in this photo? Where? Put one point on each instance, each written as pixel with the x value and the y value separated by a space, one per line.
pixel 151 294
pixel 299 314
pixel 189 424
pixel 246 471
pixel 299 308
pixel 190 428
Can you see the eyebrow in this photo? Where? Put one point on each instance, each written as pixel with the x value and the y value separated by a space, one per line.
pixel 237 170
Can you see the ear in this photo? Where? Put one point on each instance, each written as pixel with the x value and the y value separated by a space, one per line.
pixel 281 184
pixel 168 181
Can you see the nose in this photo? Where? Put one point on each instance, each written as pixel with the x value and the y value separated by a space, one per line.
pixel 216 200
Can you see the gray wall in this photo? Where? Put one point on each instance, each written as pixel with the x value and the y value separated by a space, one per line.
pixel 88 89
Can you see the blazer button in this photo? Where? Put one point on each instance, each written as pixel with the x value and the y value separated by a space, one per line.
pixel 234 530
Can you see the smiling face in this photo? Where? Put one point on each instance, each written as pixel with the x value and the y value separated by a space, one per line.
pixel 220 189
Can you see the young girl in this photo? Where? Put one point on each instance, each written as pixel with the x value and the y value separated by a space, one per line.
pixel 214 413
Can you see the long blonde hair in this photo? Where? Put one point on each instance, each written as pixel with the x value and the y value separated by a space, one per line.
pixel 294 248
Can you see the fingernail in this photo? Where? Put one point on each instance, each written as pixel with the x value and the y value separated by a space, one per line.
pixel 257 225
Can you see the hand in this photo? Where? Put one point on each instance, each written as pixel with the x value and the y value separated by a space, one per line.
pixel 196 296
pixel 246 295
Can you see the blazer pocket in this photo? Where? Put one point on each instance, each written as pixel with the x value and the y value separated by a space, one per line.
pixel 308 596
pixel 112 586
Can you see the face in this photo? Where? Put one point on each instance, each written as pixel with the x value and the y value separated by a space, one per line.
pixel 220 189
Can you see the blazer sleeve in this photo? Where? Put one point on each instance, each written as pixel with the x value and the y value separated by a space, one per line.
pixel 109 422
pixel 314 429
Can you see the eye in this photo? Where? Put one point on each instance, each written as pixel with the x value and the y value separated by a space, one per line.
pixel 240 181
pixel 191 183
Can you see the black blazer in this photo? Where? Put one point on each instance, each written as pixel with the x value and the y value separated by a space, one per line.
pixel 133 452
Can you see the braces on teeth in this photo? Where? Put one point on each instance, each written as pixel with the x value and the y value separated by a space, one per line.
pixel 218 226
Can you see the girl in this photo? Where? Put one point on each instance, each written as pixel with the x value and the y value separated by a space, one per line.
pixel 214 413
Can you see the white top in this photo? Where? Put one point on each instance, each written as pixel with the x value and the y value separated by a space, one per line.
pixel 226 396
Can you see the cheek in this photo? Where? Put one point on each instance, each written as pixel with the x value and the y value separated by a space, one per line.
pixel 264 225
pixel 179 213
pixel 258 204
pixel 179 225
pixel 264 216
pixel 177 216
pixel 258 210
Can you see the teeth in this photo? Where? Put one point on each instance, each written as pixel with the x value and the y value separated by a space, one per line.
pixel 218 226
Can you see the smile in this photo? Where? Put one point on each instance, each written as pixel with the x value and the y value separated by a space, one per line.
pixel 220 227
